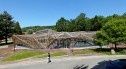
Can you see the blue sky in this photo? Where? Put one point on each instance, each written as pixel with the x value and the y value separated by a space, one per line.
pixel 47 12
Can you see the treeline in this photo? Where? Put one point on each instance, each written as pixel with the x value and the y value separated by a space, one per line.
pixel 80 23
pixel 8 26
pixel 83 23
pixel 31 29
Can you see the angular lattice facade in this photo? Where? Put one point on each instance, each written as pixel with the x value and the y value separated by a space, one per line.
pixel 52 39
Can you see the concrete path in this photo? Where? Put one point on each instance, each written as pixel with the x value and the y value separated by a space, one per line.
pixel 60 63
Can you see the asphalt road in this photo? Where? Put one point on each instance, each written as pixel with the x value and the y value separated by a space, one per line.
pixel 63 63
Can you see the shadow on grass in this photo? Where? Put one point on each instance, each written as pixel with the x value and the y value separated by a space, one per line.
pixel 120 49
pixel 101 50
pixel 108 51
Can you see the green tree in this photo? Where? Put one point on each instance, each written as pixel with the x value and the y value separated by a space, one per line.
pixel 62 24
pixel 71 25
pixel 80 22
pixel 96 23
pixel 115 15
pixel 88 25
pixel 113 32
pixel 124 15
pixel 17 28
pixel 30 31
pixel 100 38
pixel 6 25
pixel 112 17
pixel 37 28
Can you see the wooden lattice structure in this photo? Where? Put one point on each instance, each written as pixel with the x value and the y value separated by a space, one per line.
pixel 51 39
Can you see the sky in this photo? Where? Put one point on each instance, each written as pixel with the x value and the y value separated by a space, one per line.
pixel 47 12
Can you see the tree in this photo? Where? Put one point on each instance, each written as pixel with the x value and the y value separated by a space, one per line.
pixel 96 23
pixel 88 25
pixel 112 17
pixel 113 32
pixel 80 22
pixel 17 28
pixel 115 15
pixel 71 25
pixel 100 39
pixel 37 28
pixel 62 24
pixel 124 15
pixel 6 23
pixel 30 31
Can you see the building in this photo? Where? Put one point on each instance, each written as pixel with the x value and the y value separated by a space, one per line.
pixel 48 38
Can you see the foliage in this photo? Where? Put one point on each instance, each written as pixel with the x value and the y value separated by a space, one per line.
pixel 30 31
pixel 100 39
pixel 62 24
pixel 36 28
pixel 96 22
pixel 80 23
pixel 7 26
pixel 71 25
pixel 17 28
pixel 114 31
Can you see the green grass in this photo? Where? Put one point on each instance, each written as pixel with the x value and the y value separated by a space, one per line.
pixel 102 51
pixel 58 53
pixel 92 52
pixel 98 51
pixel 53 54
pixel 121 51
pixel 23 54
pixel 32 53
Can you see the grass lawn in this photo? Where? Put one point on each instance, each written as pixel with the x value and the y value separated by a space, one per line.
pixel 92 52
pixel 99 51
pixel 58 53
pixel 121 51
pixel 53 54
pixel 23 54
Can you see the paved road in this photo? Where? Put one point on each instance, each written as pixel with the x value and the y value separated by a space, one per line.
pixel 61 63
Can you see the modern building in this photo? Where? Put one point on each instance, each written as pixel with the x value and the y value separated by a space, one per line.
pixel 51 39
